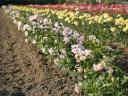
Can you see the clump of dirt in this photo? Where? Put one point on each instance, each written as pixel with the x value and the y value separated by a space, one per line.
pixel 23 69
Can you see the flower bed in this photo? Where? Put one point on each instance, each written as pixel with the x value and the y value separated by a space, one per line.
pixel 114 8
pixel 85 44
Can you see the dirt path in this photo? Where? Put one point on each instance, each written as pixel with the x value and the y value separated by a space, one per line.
pixel 24 71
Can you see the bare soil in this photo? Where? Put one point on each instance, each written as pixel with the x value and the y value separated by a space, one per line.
pixel 24 71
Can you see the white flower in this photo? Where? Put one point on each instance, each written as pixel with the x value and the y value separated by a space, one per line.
pixel 45 21
pixel 110 70
pixel 3 6
pixel 50 50
pixel 26 40
pixel 45 38
pixel 61 56
pixel 92 37
pixel 76 34
pixel 55 29
pixel 80 69
pixel 34 42
pixel 66 39
pixel 26 33
pixel 55 41
pixel 82 58
pixel 43 50
pixel 63 51
pixel 15 21
pixel 19 24
pixel 56 24
pixel 26 27
pixel 86 52
pixel 56 60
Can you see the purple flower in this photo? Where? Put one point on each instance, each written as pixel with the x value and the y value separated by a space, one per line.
pixel 67 31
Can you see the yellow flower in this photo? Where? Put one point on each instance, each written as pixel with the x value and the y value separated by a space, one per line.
pixel 77 13
pixel 127 25
pixel 96 17
pixel 109 19
pixel 126 21
pixel 113 29
pixel 67 19
pixel 120 21
pixel 105 15
pixel 90 22
pixel 125 29
pixel 81 17
pixel 75 23
pixel 118 15
pixel 70 14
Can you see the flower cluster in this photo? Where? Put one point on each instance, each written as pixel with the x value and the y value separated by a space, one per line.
pixel 80 52
pixel 81 19
pixel 102 67
pixel 40 22
pixel 67 33
pixel 57 26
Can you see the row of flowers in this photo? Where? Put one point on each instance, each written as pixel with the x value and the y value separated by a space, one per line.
pixel 105 26
pixel 85 44
pixel 114 8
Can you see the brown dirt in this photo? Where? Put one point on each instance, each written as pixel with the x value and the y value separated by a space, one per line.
pixel 24 71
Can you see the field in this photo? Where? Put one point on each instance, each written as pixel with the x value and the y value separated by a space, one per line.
pixel 83 47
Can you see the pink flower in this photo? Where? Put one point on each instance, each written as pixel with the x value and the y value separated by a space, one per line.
pixel 98 67
pixel 34 17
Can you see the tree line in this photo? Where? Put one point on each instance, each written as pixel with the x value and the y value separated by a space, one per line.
pixel 29 1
